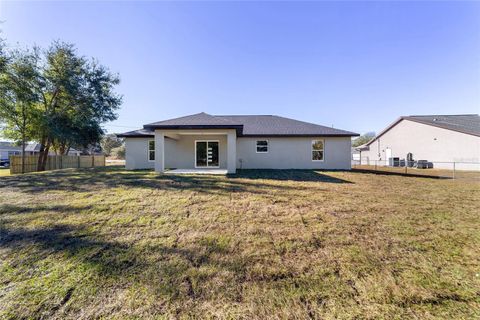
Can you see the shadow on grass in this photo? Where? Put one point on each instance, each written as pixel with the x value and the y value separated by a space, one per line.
pixel 87 180
pixel 286 175
pixel 10 208
pixel 125 262
pixel 402 174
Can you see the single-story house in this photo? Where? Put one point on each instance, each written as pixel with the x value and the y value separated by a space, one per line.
pixel 34 149
pixel 440 139
pixel 8 149
pixel 355 154
pixel 225 143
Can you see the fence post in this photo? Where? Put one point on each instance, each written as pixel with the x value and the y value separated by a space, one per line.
pixel 78 162
pixel 375 164
pixel 454 170
pixel 93 161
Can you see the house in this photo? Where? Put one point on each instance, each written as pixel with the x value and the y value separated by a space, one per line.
pixel 225 143
pixel 440 139
pixel 7 149
pixel 34 149
pixel 355 154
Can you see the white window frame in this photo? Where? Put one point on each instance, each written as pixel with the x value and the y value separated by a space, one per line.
pixel 149 150
pixel 256 146
pixel 323 150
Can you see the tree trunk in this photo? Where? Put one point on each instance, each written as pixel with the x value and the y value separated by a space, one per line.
pixel 42 159
pixel 23 153
pixel 40 155
pixel 45 157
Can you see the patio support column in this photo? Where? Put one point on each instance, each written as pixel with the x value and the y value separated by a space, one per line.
pixel 159 151
pixel 232 152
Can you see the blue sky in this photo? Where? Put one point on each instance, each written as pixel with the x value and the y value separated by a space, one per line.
pixel 353 65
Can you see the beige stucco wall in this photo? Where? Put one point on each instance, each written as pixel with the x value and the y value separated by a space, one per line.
pixel 178 153
pixel 181 153
pixel 426 142
pixel 283 153
pixel 294 153
pixel 136 154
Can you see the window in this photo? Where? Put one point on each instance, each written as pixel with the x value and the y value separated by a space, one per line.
pixel 317 150
pixel 151 150
pixel 262 146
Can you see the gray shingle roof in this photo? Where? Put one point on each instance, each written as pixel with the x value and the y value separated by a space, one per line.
pixel 465 123
pixel 33 147
pixel 136 133
pixel 8 146
pixel 246 125
pixel 198 119
pixel 269 125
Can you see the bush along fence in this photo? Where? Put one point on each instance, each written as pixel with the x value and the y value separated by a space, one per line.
pixel 56 162
pixel 440 169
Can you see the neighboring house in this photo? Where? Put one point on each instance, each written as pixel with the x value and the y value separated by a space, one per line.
pixel 355 154
pixel 34 148
pixel 7 149
pixel 436 138
pixel 239 141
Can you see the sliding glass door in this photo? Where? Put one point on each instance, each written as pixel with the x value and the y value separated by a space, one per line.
pixel 206 154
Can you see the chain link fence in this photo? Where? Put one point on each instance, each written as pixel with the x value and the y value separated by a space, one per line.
pixel 437 169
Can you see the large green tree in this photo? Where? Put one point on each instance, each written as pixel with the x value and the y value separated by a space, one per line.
pixel 55 97
pixel 76 96
pixel 110 142
pixel 18 97
pixel 364 138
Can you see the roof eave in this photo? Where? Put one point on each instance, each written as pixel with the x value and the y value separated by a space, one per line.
pixel 120 135
pixel 238 128
pixel 303 135
pixel 193 126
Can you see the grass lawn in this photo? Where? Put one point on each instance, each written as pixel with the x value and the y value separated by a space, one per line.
pixel 273 244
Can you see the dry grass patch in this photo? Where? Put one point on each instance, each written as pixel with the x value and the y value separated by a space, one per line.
pixel 4 172
pixel 260 244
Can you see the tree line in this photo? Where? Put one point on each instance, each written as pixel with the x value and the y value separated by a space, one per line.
pixel 56 97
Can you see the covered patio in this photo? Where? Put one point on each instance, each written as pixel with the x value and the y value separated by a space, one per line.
pixel 195 151
pixel 197 171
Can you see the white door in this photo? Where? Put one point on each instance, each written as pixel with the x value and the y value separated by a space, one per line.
pixel 388 155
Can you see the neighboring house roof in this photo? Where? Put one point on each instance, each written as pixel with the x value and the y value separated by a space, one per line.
pixel 464 123
pixel 8 146
pixel 363 147
pixel 246 125
pixel 33 147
